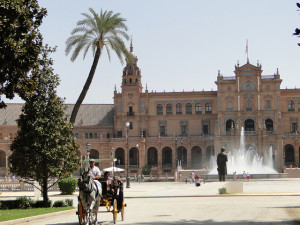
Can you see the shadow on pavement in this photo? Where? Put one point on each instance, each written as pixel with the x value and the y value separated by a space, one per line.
pixel 197 222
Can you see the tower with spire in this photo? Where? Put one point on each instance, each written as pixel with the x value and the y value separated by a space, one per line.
pixel 131 79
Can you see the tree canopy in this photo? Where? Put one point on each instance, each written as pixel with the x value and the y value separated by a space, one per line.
pixel 21 43
pixel 98 32
pixel 44 147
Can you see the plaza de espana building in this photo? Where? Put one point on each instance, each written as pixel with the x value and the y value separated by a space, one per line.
pixel 167 129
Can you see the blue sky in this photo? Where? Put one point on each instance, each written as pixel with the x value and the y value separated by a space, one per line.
pixel 180 44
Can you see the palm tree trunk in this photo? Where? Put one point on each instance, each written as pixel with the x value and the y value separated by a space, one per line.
pixel 85 87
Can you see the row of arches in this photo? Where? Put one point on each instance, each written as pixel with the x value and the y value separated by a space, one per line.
pixel 249 125
pixel 169 158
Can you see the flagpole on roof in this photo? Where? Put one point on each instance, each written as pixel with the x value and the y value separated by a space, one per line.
pixel 247 51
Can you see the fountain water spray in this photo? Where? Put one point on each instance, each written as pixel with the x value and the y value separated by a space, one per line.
pixel 248 160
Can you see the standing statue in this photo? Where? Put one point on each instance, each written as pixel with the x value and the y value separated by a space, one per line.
pixel 221 162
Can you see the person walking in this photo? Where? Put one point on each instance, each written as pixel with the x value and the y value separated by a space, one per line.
pixel 221 162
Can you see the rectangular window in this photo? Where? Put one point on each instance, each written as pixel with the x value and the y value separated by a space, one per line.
pixel 162 131
pixel 268 87
pixel 183 129
pixel 119 134
pixel 229 106
pixel 1 136
pixel 10 136
pixel 268 104
pixel 130 125
pixel 91 136
pixel 294 127
pixel 205 129
pixel 76 135
pixel 86 135
pixel 95 135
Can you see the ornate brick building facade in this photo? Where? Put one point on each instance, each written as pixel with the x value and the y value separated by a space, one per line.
pixel 187 128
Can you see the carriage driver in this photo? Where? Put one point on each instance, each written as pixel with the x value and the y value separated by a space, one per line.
pixel 94 173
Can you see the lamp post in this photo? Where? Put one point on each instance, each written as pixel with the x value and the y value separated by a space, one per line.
pixel 88 149
pixel 127 124
pixel 176 153
pixel 111 155
pixel 181 161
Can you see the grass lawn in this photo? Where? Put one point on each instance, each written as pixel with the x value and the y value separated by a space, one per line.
pixel 13 214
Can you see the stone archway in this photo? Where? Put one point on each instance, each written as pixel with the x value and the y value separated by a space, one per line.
pixel 196 157
pixel 152 156
pixel 2 158
pixel 167 157
pixel 134 157
pixel 181 156
pixel 120 156
pixel 210 153
pixel 94 154
pixel 289 154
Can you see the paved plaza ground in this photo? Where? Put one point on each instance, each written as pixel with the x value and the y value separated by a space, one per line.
pixel 272 201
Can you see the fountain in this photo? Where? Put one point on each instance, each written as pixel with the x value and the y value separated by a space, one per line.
pixel 248 160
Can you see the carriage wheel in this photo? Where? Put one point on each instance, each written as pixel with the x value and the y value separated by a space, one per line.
pixel 115 210
pixel 81 214
pixel 123 210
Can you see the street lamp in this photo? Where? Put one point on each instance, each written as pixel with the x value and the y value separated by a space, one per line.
pixel 111 155
pixel 181 161
pixel 176 151
pixel 88 147
pixel 127 124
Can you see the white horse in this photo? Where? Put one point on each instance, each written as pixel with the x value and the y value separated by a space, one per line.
pixel 89 194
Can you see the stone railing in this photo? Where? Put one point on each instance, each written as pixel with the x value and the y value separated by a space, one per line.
pixel 22 186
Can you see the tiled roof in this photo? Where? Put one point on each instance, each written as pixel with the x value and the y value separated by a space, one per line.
pixel 88 114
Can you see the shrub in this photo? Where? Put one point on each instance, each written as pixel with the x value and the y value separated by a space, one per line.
pixel 24 203
pixel 67 186
pixel 69 202
pixel 59 203
pixel 9 204
pixel 146 170
pixel 41 204
pixel 222 191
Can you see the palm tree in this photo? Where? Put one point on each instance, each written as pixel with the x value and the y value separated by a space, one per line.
pixel 96 32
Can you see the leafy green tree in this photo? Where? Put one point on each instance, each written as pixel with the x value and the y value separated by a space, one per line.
pixel 96 32
pixel 20 46
pixel 44 147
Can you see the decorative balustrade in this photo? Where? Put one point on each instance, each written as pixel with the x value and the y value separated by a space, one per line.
pixel 22 186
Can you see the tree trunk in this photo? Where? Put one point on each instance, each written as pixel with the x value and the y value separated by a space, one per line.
pixel 45 190
pixel 85 87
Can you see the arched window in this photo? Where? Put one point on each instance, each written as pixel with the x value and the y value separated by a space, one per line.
pixel 229 125
pixel 188 108
pixel 169 109
pixel 248 85
pixel 249 125
pixel 198 108
pixel 178 108
pixel 159 109
pixel 269 124
pixel 291 106
pixel 208 108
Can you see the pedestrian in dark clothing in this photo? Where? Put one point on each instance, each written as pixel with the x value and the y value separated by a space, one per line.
pixel 221 162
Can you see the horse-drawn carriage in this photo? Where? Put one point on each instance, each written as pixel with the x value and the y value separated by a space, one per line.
pixel 90 198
